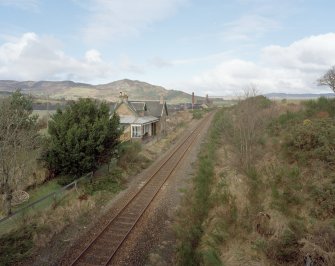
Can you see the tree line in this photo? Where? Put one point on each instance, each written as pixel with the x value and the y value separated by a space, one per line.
pixel 80 138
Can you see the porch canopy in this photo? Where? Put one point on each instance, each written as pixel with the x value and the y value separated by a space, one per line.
pixel 140 126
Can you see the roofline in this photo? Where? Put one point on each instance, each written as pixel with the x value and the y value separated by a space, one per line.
pixel 130 107
pixel 144 123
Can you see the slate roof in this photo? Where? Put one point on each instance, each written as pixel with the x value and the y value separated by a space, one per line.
pixel 135 106
pixel 138 106
pixel 155 108
pixel 152 111
pixel 129 119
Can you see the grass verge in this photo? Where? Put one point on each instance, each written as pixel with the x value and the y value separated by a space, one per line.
pixel 197 202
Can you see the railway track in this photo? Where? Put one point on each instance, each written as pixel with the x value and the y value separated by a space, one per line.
pixel 101 250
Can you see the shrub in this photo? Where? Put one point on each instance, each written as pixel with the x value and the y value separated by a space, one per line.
pixel 211 257
pixel 284 122
pixel 16 245
pixel 324 197
pixel 259 245
pixel 285 249
pixel 111 183
pixel 320 105
pixel 197 114
pixel 285 182
pixel 319 246
pixel 130 157
pixel 244 127
pixel 316 140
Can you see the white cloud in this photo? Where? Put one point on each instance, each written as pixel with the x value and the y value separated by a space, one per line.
pixel 93 56
pixel 118 18
pixel 292 68
pixel 32 57
pixel 314 53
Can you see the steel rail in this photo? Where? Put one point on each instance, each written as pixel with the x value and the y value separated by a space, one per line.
pixel 190 138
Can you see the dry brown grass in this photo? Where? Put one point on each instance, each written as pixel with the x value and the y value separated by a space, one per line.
pixel 267 216
pixel 52 222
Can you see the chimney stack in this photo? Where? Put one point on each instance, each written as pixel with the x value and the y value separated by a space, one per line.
pixel 161 99
pixel 123 97
pixel 193 100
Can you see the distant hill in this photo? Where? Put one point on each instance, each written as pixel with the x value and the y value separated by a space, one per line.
pixel 298 96
pixel 136 90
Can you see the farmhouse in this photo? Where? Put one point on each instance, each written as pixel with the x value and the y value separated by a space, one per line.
pixel 141 119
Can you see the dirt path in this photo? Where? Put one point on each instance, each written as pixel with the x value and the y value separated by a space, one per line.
pixel 153 240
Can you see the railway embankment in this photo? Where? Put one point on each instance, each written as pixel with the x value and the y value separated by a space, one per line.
pixel 265 196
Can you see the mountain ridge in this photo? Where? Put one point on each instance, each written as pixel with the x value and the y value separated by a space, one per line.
pixel 136 90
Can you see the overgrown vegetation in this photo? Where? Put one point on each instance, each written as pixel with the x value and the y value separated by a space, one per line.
pixel 243 127
pixel 190 227
pixel 271 194
pixel 81 138
pixel 18 141
pixel 199 113
pixel 130 157
pixel 16 245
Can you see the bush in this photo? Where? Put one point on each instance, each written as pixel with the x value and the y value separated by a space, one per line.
pixel 262 101
pixel 197 114
pixel 315 140
pixel 320 105
pixel 130 157
pixel 285 249
pixel 211 257
pixel 324 197
pixel 244 128
pixel 285 122
pixel 319 246
pixel 110 182
pixel 16 246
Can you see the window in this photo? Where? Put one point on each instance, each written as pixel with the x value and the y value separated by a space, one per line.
pixel 146 129
pixel 136 131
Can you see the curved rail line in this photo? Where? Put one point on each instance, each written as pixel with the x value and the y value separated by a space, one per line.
pixel 101 250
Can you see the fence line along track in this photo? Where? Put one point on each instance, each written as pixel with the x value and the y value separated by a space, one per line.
pixel 104 246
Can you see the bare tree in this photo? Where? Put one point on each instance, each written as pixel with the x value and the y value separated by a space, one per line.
pixel 328 79
pixel 18 138
pixel 248 120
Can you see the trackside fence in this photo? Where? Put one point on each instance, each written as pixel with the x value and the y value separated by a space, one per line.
pixel 42 204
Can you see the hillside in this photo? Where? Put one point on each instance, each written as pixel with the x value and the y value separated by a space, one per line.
pixel 137 90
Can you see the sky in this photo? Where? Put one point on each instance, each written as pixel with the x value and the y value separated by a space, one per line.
pixel 215 47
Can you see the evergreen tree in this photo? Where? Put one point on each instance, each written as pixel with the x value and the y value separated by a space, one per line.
pixel 81 137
